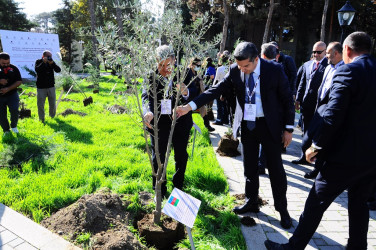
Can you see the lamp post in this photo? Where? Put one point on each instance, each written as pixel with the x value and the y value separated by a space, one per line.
pixel 345 16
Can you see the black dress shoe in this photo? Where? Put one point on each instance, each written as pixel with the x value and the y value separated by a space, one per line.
pixel 271 245
pixel 261 171
pixel 247 207
pixel 210 128
pixel 312 174
pixel 217 123
pixel 286 221
pixel 300 161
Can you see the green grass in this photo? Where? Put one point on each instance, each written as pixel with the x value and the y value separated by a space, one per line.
pixel 49 166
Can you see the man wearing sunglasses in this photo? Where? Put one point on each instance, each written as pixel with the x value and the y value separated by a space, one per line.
pixel 306 97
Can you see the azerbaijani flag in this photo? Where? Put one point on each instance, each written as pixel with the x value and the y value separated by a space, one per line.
pixel 173 201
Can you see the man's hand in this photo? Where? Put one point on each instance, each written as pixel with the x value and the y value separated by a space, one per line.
pixel 286 138
pixel 310 155
pixel 182 88
pixel 4 90
pixel 147 118
pixel 297 105
pixel 45 59
pixel 3 81
pixel 182 110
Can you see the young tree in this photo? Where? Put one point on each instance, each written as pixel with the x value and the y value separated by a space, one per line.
pixel 139 64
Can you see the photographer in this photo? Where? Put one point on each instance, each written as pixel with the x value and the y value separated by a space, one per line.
pixel 45 69
pixel 10 79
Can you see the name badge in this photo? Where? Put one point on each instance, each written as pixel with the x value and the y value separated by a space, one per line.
pixel 166 107
pixel 250 112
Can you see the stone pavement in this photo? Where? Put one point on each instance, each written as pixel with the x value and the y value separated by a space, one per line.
pixel 21 233
pixel 332 232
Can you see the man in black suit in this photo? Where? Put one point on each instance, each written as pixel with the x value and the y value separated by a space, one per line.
pixel 334 56
pixel 345 143
pixel 263 95
pixel 160 116
pixel 306 97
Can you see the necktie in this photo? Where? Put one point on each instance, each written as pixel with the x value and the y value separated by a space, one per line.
pixel 315 67
pixel 251 84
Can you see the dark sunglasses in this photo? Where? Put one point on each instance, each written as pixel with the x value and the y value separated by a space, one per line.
pixel 317 52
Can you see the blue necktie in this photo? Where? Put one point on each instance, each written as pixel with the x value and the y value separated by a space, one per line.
pixel 251 84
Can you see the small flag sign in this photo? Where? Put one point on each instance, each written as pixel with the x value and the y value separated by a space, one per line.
pixel 173 201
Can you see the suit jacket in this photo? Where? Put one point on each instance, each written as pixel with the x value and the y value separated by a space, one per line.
pixel 290 70
pixel 147 96
pixel 308 97
pixel 277 102
pixel 347 134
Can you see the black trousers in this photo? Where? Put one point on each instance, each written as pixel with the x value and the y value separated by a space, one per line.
pixel 331 182
pixel 12 102
pixel 179 143
pixel 251 141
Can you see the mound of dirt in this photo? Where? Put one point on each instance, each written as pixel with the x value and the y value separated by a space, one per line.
pixel 71 112
pixel 68 100
pixel 30 94
pixel 103 214
pixel 117 109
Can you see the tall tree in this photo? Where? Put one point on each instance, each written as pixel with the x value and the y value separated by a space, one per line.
pixel 225 26
pixel 43 19
pixel 64 21
pixel 268 21
pixel 93 28
pixel 11 17
pixel 323 22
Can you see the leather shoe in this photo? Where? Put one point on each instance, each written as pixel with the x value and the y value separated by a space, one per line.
pixel 217 123
pixel 300 161
pixel 247 207
pixel 210 128
pixel 286 221
pixel 311 174
pixel 271 245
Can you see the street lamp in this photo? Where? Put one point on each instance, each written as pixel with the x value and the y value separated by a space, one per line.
pixel 345 16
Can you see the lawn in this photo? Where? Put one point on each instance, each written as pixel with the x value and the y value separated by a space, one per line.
pixel 49 166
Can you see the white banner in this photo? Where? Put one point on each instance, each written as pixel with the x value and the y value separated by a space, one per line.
pixel 25 48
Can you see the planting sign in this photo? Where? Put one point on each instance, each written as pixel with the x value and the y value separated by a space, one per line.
pixel 25 48
pixel 182 207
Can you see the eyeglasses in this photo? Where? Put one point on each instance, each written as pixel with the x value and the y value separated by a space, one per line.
pixel 317 52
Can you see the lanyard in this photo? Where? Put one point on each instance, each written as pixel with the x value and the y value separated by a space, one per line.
pixel 254 88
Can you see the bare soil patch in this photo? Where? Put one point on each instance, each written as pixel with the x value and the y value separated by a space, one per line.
pixel 72 112
pixel 227 146
pixel 116 109
pixel 68 100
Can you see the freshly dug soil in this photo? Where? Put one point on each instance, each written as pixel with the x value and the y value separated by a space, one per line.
pixel 88 101
pixel 25 113
pixel 162 237
pixel 71 112
pixel 241 197
pixel 227 146
pixel 103 214
pixel 68 100
pixel 117 109
pixel 31 94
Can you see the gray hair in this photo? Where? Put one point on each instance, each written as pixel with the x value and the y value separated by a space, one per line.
pixel 245 50
pixel 269 50
pixel 163 52
pixel 360 42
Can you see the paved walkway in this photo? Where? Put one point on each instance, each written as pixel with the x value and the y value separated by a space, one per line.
pixel 332 233
pixel 21 233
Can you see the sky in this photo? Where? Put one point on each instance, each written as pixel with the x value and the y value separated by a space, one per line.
pixel 35 7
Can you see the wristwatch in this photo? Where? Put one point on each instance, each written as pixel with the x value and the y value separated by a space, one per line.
pixel 290 130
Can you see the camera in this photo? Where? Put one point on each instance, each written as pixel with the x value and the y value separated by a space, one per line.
pixel 49 58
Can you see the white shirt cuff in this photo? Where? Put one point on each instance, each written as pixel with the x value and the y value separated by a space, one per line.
pixel 185 96
pixel 290 126
pixel 193 105
pixel 315 146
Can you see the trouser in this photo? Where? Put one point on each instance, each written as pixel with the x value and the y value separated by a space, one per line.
pixel 179 142
pixel 12 102
pixel 331 182
pixel 222 112
pixel 42 94
pixel 251 141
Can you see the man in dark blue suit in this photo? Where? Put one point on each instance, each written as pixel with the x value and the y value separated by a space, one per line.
pixel 334 56
pixel 263 95
pixel 345 143
pixel 306 97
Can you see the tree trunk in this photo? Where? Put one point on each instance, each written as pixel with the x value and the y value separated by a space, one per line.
pixel 225 26
pixel 93 27
pixel 323 22
pixel 119 21
pixel 268 21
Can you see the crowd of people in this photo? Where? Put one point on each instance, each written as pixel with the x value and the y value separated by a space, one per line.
pixel 335 93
